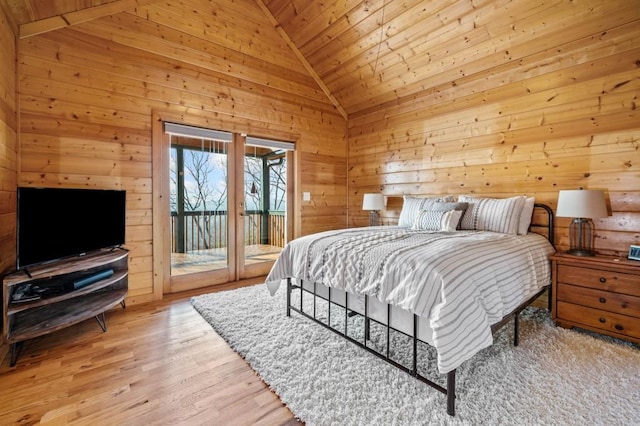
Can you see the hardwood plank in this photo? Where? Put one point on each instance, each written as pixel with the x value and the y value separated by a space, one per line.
pixel 312 19
pixel 105 9
pixel 479 72
pixel 414 26
pixel 8 156
pixel 621 121
pixel 40 26
pixel 42 124
pixel 85 181
pixel 303 60
pixel 152 98
pixel 145 74
pixel 513 45
pixel 33 143
pixel 520 156
pixel 37 162
pixel 157 362
pixel 141 34
pixel 343 17
pixel 514 99
pixel 64 109
pixel 191 17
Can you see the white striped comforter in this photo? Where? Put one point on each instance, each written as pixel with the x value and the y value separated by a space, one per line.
pixel 463 281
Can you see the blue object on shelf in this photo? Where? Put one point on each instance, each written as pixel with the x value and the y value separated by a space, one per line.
pixel 92 279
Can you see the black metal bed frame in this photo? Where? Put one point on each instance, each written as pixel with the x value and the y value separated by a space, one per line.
pixel 449 390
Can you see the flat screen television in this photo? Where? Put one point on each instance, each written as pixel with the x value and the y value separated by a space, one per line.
pixel 55 223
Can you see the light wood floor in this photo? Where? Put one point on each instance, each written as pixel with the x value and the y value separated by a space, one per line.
pixel 158 363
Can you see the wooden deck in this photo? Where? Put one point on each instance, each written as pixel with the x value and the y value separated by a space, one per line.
pixel 207 260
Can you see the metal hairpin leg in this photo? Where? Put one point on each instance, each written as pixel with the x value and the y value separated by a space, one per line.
pixel 15 351
pixel 414 364
pixel 102 320
pixel 288 297
pixel 451 393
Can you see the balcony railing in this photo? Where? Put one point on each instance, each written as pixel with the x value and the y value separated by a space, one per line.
pixel 208 230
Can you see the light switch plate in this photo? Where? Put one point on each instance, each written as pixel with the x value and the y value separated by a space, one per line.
pixel 306 196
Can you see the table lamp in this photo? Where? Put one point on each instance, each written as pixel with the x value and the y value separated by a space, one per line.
pixel 582 205
pixel 373 202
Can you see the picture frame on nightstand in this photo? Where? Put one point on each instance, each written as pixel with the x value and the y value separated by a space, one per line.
pixel 634 252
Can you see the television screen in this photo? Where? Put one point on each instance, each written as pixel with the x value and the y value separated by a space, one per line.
pixel 54 223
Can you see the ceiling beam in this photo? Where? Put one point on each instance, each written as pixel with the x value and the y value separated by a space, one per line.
pixel 79 16
pixel 301 57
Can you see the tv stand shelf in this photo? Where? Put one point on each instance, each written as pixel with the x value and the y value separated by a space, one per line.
pixel 24 320
pixel 115 278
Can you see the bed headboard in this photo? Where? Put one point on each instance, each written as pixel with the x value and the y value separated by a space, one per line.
pixel 542 221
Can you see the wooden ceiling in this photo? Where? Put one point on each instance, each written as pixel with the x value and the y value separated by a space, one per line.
pixel 363 53
pixel 369 52
pixel 26 11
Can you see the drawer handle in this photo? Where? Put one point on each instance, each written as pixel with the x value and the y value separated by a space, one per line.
pixel 602 320
pixel 603 280
pixel 603 300
pixel 618 327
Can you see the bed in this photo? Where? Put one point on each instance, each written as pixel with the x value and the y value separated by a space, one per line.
pixel 452 272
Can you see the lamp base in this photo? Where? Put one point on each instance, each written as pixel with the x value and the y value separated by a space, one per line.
pixel 374 218
pixel 580 252
pixel 581 237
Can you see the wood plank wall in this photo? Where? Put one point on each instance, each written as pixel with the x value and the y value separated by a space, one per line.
pixel 8 145
pixel 87 94
pixel 551 112
pixel 8 152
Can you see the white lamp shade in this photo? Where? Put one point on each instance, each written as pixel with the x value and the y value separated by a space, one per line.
pixel 373 202
pixel 584 203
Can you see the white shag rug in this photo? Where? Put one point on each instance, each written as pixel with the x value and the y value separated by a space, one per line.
pixel 554 377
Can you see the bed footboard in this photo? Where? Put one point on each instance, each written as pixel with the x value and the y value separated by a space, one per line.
pixel 449 390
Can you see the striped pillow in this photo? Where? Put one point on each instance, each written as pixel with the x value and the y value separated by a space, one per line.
pixel 525 216
pixel 413 205
pixel 492 214
pixel 430 220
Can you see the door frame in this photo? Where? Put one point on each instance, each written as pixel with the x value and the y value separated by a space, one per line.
pixel 161 239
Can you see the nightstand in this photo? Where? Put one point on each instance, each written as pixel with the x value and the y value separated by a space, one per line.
pixel 597 293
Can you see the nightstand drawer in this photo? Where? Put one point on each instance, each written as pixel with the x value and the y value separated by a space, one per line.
pixel 600 279
pixel 598 299
pixel 607 321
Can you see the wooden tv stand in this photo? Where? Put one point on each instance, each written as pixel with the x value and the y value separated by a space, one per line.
pixel 69 291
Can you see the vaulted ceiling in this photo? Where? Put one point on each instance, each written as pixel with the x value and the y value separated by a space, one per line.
pixel 362 53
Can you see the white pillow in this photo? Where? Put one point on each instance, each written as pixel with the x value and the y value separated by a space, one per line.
pixel 412 206
pixel 525 216
pixel 430 220
pixel 492 214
